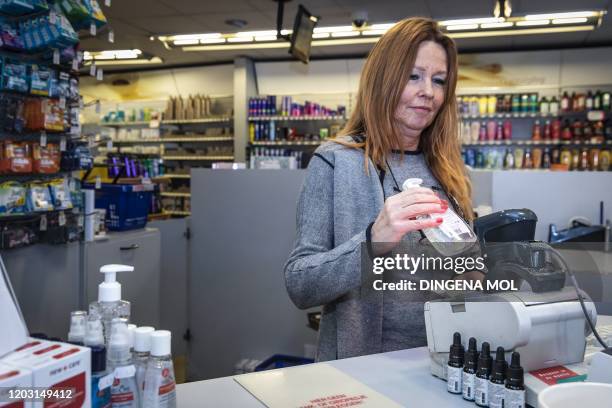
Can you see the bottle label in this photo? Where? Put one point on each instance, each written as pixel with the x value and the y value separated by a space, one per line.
pixel 454 227
pixel 453 380
pixel 514 398
pixel 468 385
pixel 481 392
pixel 496 395
pixel 124 393
pixel 100 396
pixel 159 387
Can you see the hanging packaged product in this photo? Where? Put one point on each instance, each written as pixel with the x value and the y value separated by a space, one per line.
pixel 46 158
pixel 39 197
pixel 16 158
pixel 9 34
pixel 83 13
pixel 16 7
pixel 60 194
pixel 12 198
pixel 14 75
pixel 40 80
pixel 44 114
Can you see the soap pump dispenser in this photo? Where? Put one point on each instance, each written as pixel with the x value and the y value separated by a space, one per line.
pixel 109 304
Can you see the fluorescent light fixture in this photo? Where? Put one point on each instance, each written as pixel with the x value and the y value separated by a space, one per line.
pixel 111 54
pixel 139 61
pixel 239 39
pixel 497 25
pixel 332 29
pixel 373 32
pixel 186 42
pixel 472 21
pixel 212 41
pixel 266 38
pixel 575 14
pixel 256 33
pixel 575 20
pixel 345 34
pixel 541 30
pixel 380 26
pixel 320 35
pixel 527 23
pixel 462 27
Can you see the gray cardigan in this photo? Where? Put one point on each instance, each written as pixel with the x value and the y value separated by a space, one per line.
pixel 337 203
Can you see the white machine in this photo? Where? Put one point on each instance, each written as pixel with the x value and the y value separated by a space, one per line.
pixel 547 329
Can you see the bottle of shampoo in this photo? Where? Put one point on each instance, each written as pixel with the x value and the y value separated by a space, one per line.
pixel 159 386
pixel 124 391
pixel 498 380
pixel 455 366
pixel 453 236
pixel 109 305
pixel 469 370
pixel 483 372
pixel 140 356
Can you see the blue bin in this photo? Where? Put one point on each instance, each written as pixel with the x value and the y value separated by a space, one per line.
pixel 127 205
pixel 282 361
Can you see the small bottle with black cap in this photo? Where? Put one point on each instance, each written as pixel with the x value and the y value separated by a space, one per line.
pixel 469 370
pixel 483 372
pixel 455 365
pixel 515 386
pixel 497 381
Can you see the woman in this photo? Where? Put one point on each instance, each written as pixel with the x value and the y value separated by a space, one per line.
pixel 404 125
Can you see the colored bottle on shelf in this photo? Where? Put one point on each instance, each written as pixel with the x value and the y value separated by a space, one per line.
pixel 514 394
pixel 507 106
pixel 536 155
pixel 491 130
pixel 577 130
pixel 588 102
pixel 525 103
pixel 597 100
pixel 455 366
pixel 160 384
pixel 474 106
pixel 497 381
pixel 605 101
pixel 474 131
pixel 482 136
pixel 491 104
pixel 499 133
pixel 469 370
pixel 483 373
pixel 509 160
pixel 581 102
pixel 555 129
pixel 500 104
pixel 536 133
pixel 594 159
pixel 566 158
pixel 584 160
pixel 533 103
pixel 554 106
pixel 575 159
pixel 528 160
pixel 546 159
pixel 556 156
pixel 482 105
pixel 604 160
pixel 544 106
pixel 516 103
pixel 565 104
pixel 518 158
pixel 573 102
pixel 566 132
pixel 507 131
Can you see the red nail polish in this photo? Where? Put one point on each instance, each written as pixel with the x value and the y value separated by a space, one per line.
pixel 439 220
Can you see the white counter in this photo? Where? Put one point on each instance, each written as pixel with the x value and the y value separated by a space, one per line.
pixel 401 375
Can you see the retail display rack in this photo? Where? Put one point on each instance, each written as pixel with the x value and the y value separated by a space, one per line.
pixel 168 143
pixel 41 148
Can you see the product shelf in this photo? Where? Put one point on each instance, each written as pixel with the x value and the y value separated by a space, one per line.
pixel 296 118
pixel 537 143
pixel 533 115
pixel 176 212
pixel 286 143
pixel 212 119
pixel 176 140
pixel 174 176
pixel 198 158
pixel 171 194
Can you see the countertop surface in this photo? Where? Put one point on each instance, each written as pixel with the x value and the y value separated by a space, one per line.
pixel 402 376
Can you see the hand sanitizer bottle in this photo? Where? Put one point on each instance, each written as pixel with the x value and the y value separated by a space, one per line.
pixel 142 347
pixel 159 386
pixel 78 321
pixel 109 304
pixel 450 238
pixel 124 392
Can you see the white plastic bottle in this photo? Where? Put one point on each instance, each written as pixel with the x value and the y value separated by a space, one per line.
pixel 159 385
pixel 140 356
pixel 450 238
pixel 94 333
pixel 78 321
pixel 124 391
pixel 109 304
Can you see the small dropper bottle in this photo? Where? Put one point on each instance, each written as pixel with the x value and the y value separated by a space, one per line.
pixel 469 370
pixel 455 365
pixel 515 386
pixel 483 372
pixel 497 380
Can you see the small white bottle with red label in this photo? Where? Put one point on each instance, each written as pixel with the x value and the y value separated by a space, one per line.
pixel 124 391
pixel 159 384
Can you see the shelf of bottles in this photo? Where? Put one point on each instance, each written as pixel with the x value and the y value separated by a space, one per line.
pixel 289 129
pixel 570 132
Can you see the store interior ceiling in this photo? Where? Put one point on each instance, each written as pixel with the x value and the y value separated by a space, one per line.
pixel 136 22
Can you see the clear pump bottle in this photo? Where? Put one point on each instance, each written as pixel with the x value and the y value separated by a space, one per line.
pixel 159 386
pixel 78 321
pixel 140 356
pixel 109 304
pixel 450 238
pixel 124 392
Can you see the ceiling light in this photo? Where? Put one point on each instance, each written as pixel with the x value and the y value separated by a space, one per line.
pixel 239 39
pixel 472 21
pixel 576 14
pixel 332 29
pixel 381 26
pixel 320 35
pixel 266 38
pixel 373 32
pixel 345 34
pixel 497 25
pixel 139 61
pixel 111 54
pixel 462 27
pixel 186 42
pixel 575 20
pixel 526 31
pixel 256 33
pixel 211 40
pixel 532 23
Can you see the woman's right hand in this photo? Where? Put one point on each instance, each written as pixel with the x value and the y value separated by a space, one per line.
pixel 398 216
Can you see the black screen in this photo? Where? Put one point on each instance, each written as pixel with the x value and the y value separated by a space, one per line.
pixel 301 38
